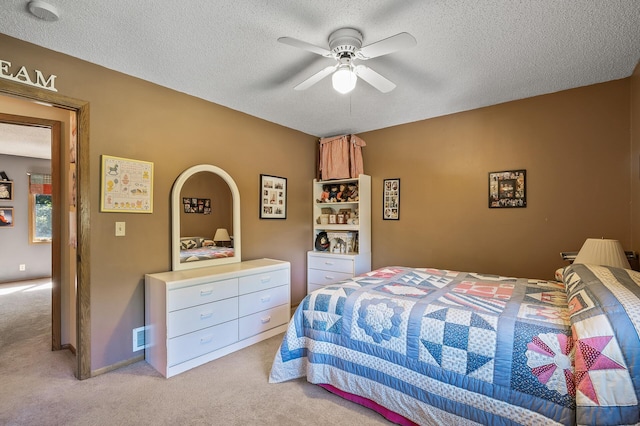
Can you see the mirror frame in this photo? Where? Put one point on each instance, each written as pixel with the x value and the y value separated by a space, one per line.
pixel 176 205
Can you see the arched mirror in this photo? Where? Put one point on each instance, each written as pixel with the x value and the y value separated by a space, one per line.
pixel 205 215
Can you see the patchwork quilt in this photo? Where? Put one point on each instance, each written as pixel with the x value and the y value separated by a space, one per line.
pixel 447 347
pixel 205 252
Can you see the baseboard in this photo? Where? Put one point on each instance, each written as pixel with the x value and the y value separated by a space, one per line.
pixel 120 364
pixel 69 346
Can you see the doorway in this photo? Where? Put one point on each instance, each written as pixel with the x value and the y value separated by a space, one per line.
pixel 55 138
pixel 83 260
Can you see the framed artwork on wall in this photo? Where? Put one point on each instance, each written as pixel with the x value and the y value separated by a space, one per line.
pixel 391 199
pixel 508 189
pixel 273 197
pixel 6 217
pixel 6 190
pixel 126 185
pixel 196 205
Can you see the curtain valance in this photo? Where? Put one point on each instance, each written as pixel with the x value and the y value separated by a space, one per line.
pixel 341 157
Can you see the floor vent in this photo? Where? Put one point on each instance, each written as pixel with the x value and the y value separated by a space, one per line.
pixel 138 339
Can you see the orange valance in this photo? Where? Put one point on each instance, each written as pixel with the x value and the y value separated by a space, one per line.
pixel 39 184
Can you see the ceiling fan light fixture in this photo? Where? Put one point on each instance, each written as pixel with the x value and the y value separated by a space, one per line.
pixel 344 79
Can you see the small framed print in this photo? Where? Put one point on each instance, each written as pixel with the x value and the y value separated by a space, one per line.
pixel 508 189
pixel 6 190
pixel 391 199
pixel 273 197
pixel 6 217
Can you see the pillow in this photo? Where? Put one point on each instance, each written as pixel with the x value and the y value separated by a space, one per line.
pixel 190 242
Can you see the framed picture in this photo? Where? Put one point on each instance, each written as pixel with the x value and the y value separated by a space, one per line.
pixel 6 217
pixel 391 199
pixel 273 197
pixel 6 190
pixel 126 185
pixel 508 189
pixel 197 205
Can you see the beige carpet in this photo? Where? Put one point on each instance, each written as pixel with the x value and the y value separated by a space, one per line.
pixel 37 386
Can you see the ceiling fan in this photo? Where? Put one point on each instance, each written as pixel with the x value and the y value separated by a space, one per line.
pixel 345 46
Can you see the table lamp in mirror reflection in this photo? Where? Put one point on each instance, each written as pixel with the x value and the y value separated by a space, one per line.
pixel 222 237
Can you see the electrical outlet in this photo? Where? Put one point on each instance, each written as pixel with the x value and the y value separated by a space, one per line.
pixel 120 229
pixel 23 267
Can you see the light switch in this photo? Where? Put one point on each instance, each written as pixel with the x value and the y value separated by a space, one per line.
pixel 120 229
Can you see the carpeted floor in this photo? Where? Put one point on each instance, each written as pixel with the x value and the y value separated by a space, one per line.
pixel 37 386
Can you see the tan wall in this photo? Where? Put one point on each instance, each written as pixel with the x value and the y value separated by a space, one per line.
pixel 132 118
pixel 575 148
pixel 635 157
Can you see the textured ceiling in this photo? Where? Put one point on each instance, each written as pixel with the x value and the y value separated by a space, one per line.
pixel 25 141
pixel 469 54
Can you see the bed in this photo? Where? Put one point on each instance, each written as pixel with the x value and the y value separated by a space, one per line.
pixel 428 346
pixel 199 248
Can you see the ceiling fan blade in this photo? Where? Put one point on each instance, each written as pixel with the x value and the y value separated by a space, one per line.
pixel 374 79
pixel 387 45
pixel 316 78
pixel 305 46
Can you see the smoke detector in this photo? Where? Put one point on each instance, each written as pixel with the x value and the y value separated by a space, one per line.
pixel 43 10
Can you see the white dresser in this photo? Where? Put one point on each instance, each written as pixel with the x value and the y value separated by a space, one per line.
pixel 327 268
pixel 197 315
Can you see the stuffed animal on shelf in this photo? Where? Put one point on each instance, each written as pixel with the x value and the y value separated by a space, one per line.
pixel 342 193
pixel 324 196
pixel 353 192
pixel 333 194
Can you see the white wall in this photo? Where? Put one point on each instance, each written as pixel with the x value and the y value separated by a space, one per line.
pixel 14 241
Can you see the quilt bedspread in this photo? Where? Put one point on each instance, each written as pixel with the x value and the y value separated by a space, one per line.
pixel 204 253
pixel 447 347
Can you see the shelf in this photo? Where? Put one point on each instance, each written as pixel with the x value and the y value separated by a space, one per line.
pixel 338 181
pixel 322 203
pixel 335 227
pixel 327 252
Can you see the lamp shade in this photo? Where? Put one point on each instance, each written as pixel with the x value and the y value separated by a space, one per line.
pixel 603 252
pixel 221 235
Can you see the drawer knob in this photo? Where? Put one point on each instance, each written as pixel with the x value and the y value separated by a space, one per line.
pixel 206 292
pixel 265 319
pixel 206 339
pixel 265 299
pixel 265 279
pixel 329 277
pixel 328 263
pixel 206 315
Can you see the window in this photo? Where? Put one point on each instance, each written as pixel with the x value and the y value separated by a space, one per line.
pixel 40 208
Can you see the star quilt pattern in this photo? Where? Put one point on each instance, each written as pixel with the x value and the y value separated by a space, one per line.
pixel 444 347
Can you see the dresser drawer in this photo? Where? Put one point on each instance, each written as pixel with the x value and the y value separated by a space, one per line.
pixel 317 276
pixel 263 321
pixel 257 282
pixel 198 317
pixel 313 287
pixel 331 264
pixel 265 299
pixel 192 345
pixel 202 293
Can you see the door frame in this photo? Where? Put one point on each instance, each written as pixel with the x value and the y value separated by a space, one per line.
pixel 83 261
pixel 55 128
